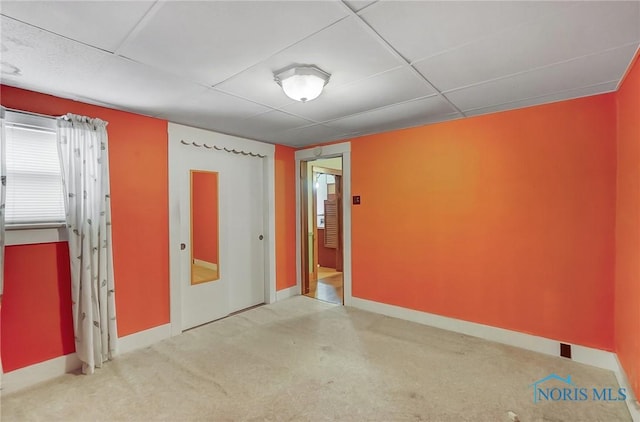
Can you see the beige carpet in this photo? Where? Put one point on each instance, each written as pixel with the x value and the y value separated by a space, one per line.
pixel 306 360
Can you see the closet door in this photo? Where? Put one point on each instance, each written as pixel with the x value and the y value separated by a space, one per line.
pixel 235 281
pixel 243 240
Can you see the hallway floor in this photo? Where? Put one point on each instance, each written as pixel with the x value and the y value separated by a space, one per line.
pixel 329 286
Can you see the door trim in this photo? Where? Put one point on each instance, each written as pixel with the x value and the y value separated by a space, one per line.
pixel 329 151
pixel 177 133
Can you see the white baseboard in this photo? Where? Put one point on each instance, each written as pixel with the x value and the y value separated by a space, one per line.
pixel 143 339
pixel 633 403
pixel 43 371
pixel 586 355
pixel 287 293
pixel 594 357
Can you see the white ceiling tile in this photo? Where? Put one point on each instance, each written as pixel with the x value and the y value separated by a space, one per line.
pixel 412 113
pixel 573 31
pixel 103 24
pixel 561 96
pixel 213 110
pixel 391 87
pixel 210 41
pixel 179 48
pixel 356 5
pixel 582 72
pixel 345 50
pixel 307 135
pixel 39 60
pixel 419 29
pixel 136 87
pixel 265 126
pixel 257 84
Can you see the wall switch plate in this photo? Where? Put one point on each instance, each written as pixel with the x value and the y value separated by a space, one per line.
pixel 356 200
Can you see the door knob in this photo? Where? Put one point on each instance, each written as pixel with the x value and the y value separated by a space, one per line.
pixel 261 237
pixel 183 246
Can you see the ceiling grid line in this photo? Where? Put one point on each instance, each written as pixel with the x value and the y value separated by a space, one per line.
pixel 379 108
pixel 327 122
pixel 102 50
pixel 261 104
pixel 475 40
pixel 139 26
pixel 279 51
pixel 394 64
pixel 543 96
pixel 359 11
pixel 396 53
pixel 343 85
pixel 535 69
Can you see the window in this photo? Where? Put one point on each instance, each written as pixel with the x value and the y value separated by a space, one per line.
pixel 34 194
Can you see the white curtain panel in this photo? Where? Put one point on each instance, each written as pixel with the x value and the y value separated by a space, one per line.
pixel 3 183
pixel 83 148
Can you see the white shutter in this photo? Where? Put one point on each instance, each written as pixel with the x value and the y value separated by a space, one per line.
pixel 34 193
pixel 331 223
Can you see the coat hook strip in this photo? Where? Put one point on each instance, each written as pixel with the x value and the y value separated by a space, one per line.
pixel 217 148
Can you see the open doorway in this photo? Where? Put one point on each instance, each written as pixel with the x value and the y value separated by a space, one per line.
pixel 322 189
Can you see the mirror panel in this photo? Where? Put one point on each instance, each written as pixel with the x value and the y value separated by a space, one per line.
pixel 205 265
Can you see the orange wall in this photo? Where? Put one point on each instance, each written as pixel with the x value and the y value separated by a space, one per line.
pixel 204 210
pixel 36 309
pixel 627 287
pixel 504 219
pixel 285 217
pixel 139 192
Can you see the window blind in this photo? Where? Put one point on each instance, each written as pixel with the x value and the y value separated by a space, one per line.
pixel 34 193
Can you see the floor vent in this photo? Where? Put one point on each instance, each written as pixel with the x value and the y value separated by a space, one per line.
pixel 565 350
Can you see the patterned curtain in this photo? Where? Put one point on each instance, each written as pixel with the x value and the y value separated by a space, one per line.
pixel 3 183
pixel 82 143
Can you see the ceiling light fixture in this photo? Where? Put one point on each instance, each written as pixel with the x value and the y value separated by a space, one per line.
pixel 302 83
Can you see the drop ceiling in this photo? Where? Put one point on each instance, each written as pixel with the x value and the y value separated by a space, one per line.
pixel 393 64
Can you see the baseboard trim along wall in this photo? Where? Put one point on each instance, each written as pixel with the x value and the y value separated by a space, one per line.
pixel 143 339
pixel 633 403
pixel 587 355
pixel 44 371
pixel 39 372
pixel 287 293
pixel 52 368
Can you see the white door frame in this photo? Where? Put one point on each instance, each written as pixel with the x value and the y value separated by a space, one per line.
pixel 329 151
pixel 178 133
